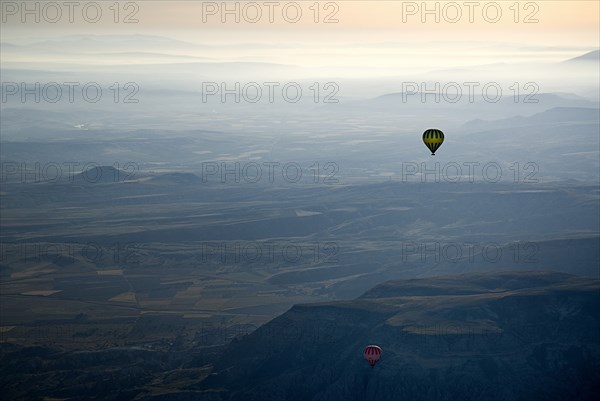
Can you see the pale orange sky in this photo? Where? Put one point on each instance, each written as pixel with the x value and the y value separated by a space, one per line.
pixel 562 15
pixel 559 22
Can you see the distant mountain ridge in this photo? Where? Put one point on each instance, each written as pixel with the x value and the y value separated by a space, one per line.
pixel 551 116
pixel 593 56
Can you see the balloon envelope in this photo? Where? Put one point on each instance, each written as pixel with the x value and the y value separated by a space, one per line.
pixel 372 353
pixel 433 139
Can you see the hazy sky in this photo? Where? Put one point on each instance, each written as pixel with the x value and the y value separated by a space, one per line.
pixel 359 33
pixel 540 22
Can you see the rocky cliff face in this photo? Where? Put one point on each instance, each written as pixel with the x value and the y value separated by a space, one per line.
pixel 493 336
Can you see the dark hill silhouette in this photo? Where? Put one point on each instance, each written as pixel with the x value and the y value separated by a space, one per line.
pixel 176 178
pixel 508 335
pixel 101 174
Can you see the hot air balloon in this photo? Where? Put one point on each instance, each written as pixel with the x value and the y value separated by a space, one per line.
pixel 433 139
pixel 372 354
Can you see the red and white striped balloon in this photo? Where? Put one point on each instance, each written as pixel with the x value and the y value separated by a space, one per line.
pixel 372 354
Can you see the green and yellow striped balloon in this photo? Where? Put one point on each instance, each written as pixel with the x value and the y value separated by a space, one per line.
pixel 433 139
